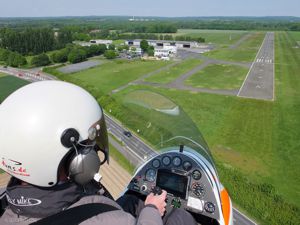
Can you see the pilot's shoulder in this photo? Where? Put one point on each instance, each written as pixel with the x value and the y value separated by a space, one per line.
pixel 114 217
pixel 96 199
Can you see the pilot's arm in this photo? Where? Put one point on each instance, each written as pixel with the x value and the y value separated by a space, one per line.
pixel 155 207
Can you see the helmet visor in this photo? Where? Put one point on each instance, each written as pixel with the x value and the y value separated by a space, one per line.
pixel 98 133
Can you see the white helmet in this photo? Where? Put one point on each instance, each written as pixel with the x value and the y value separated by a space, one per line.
pixel 45 125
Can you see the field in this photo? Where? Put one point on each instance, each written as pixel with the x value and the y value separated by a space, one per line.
pixel 114 74
pixel 245 52
pixel 149 99
pixel 173 72
pixel 9 83
pixel 218 76
pixel 295 35
pixel 221 38
pixel 258 138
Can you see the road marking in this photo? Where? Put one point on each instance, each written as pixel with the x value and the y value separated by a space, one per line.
pixel 252 65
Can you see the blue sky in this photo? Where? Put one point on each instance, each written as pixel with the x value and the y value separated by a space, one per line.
pixel 37 8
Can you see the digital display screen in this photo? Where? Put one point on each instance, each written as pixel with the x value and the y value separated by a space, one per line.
pixel 172 183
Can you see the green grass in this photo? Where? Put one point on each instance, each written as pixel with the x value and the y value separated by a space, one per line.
pixel 8 84
pixel 114 74
pixel 170 74
pixel 222 38
pixel 256 143
pixel 245 52
pixel 118 42
pixel 149 100
pixel 218 76
pixel 295 35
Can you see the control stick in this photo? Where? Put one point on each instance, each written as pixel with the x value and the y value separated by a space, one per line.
pixel 156 190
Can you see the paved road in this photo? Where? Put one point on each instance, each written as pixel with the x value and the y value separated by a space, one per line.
pixel 259 83
pixel 136 149
pixel 32 75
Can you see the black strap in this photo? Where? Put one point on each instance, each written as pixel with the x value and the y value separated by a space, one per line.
pixel 3 202
pixel 76 215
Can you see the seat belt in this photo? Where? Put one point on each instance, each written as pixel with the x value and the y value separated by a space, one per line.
pixel 3 201
pixel 76 215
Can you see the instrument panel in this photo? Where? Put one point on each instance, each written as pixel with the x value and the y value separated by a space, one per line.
pixel 185 180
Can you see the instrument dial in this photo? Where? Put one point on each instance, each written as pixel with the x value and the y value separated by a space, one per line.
pixel 196 175
pixel 176 161
pixel 187 166
pixel 198 190
pixel 209 207
pixel 150 175
pixel 156 163
pixel 166 160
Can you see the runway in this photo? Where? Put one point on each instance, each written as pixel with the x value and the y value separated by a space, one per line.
pixel 259 82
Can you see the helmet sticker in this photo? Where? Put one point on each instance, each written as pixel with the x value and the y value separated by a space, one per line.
pixel 14 167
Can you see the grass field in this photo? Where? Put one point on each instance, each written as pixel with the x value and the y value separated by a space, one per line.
pixel 218 76
pixel 116 73
pixel 149 100
pixel 222 38
pixel 295 35
pixel 8 84
pixel 173 72
pixel 258 138
pixel 245 52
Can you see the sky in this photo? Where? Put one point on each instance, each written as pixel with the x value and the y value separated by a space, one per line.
pixel 167 8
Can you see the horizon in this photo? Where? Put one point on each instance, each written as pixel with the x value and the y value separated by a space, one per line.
pixel 139 8
pixel 165 17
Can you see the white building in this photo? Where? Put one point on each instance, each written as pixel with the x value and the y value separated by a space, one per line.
pixel 136 50
pixel 99 41
pixel 165 51
pixel 164 43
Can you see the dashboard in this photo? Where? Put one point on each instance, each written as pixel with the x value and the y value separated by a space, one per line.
pixel 185 180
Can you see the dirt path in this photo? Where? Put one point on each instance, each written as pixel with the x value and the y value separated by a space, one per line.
pixel 239 42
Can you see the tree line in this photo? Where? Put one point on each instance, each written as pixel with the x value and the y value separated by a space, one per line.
pixel 34 41
pixel 157 24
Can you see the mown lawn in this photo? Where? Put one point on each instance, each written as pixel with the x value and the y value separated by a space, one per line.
pixel 218 76
pixel 8 84
pixel 170 74
pixel 114 74
pixel 222 38
pixel 245 52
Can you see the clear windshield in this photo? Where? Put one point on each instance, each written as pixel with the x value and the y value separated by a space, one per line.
pixel 163 123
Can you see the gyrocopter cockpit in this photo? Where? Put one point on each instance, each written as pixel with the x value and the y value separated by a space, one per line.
pixel 180 162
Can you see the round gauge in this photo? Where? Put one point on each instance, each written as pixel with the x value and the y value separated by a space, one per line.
pixel 196 175
pixel 198 190
pixel 209 207
pixel 166 160
pixel 187 165
pixel 150 175
pixel 155 163
pixel 176 161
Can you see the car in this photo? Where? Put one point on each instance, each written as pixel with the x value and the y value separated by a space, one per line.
pixel 127 133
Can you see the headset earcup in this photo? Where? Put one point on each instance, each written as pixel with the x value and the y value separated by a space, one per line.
pixel 69 137
pixel 84 166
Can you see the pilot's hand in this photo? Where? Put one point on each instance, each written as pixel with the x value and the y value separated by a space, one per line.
pixel 158 201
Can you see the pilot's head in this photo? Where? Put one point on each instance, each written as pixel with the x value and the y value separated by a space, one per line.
pixel 48 127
